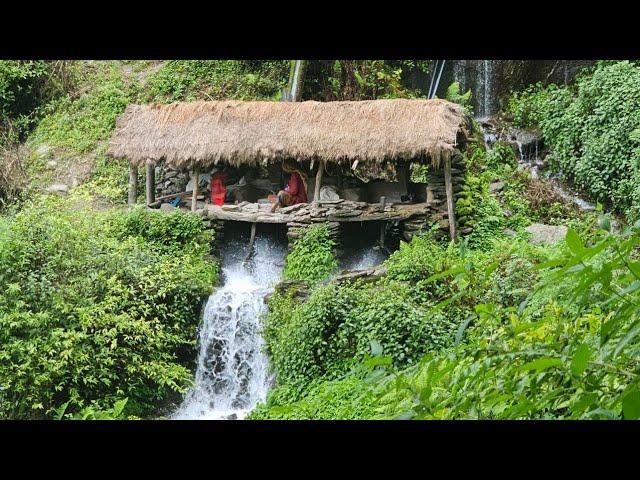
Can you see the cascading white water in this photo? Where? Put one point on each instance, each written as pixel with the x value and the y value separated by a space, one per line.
pixel 232 370
pixel 529 158
pixel 460 73
pixel 364 259
pixel 485 88
pixel 296 79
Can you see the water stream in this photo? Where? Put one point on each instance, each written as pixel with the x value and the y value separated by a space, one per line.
pixel 232 373
pixel 529 158
pixel 232 370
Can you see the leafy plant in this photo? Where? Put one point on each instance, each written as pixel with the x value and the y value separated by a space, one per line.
pixel 589 130
pixel 95 309
pixel 311 258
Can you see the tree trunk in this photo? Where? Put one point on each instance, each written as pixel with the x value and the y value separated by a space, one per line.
pixel 449 190
pixel 151 182
pixel 133 184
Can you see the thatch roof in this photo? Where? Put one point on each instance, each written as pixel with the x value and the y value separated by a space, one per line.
pixel 238 132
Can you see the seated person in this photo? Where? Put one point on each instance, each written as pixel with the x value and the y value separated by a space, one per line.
pixel 218 187
pixel 296 190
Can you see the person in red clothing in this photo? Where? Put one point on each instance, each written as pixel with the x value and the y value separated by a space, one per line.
pixel 296 190
pixel 218 187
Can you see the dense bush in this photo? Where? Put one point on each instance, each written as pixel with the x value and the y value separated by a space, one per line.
pixel 311 258
pixel 407 313
pixel 566 349
pixel 590 130
pixel 337 324
pixel 22 91
pixel 329 80
pixel 97 306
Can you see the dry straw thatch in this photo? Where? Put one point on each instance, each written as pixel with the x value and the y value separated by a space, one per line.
pixel 237 132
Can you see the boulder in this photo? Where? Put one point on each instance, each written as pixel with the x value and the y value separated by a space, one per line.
pixel 59 188
pixel 43 150
pixel 367 275
pixel 541 233
pixel 496 186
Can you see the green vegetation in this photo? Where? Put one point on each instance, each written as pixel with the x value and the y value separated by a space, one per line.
pixel 544 333
pixel 591 129
pixel 191 80
pixel 488 327
pixel 97 306
pixel 100 305
pixel 311 258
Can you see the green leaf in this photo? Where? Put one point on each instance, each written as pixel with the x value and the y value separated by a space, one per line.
pixel 461 329
pixel 580 359
pixel 406 415
pixel 631 405
pixel 573 241
pixel 542 364
pixel 118 407
pixel 59 412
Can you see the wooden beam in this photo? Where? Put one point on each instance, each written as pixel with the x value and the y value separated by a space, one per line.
pixel 449 191
pixel 151 182
pixel 251 242
pixel 196 182
pixel 316 191
pixel 133 184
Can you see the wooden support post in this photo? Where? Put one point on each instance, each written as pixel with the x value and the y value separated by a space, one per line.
pixel 383 227
pixel 449 191
pixel 251 242
pixel 403 170
pixel 194 194
pixel 151 182
pixel 316 192
pixel 133 184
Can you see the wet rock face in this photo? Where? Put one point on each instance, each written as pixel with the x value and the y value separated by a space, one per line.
pixel 527 144
pixel 491 81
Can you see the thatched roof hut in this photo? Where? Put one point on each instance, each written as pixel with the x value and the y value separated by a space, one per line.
pixel 247 132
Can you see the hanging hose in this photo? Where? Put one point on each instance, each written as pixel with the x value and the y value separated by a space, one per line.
pixel 435 89
pixel 433 76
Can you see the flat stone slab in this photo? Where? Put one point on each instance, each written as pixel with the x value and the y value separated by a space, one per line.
pixel 546 234
pixel 167 207
pixel 59 188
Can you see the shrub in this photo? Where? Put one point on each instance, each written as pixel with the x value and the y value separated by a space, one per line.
pixel 589 130
pixel 93 311
pixel 311 258
pixel 570 352
pixel 22 92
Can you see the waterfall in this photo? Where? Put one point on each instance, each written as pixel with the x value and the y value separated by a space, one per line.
pixel 460 73
pixel 485 88
pixel 479 76
pixel 363 259
pixel 295 80
pixel 232 369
